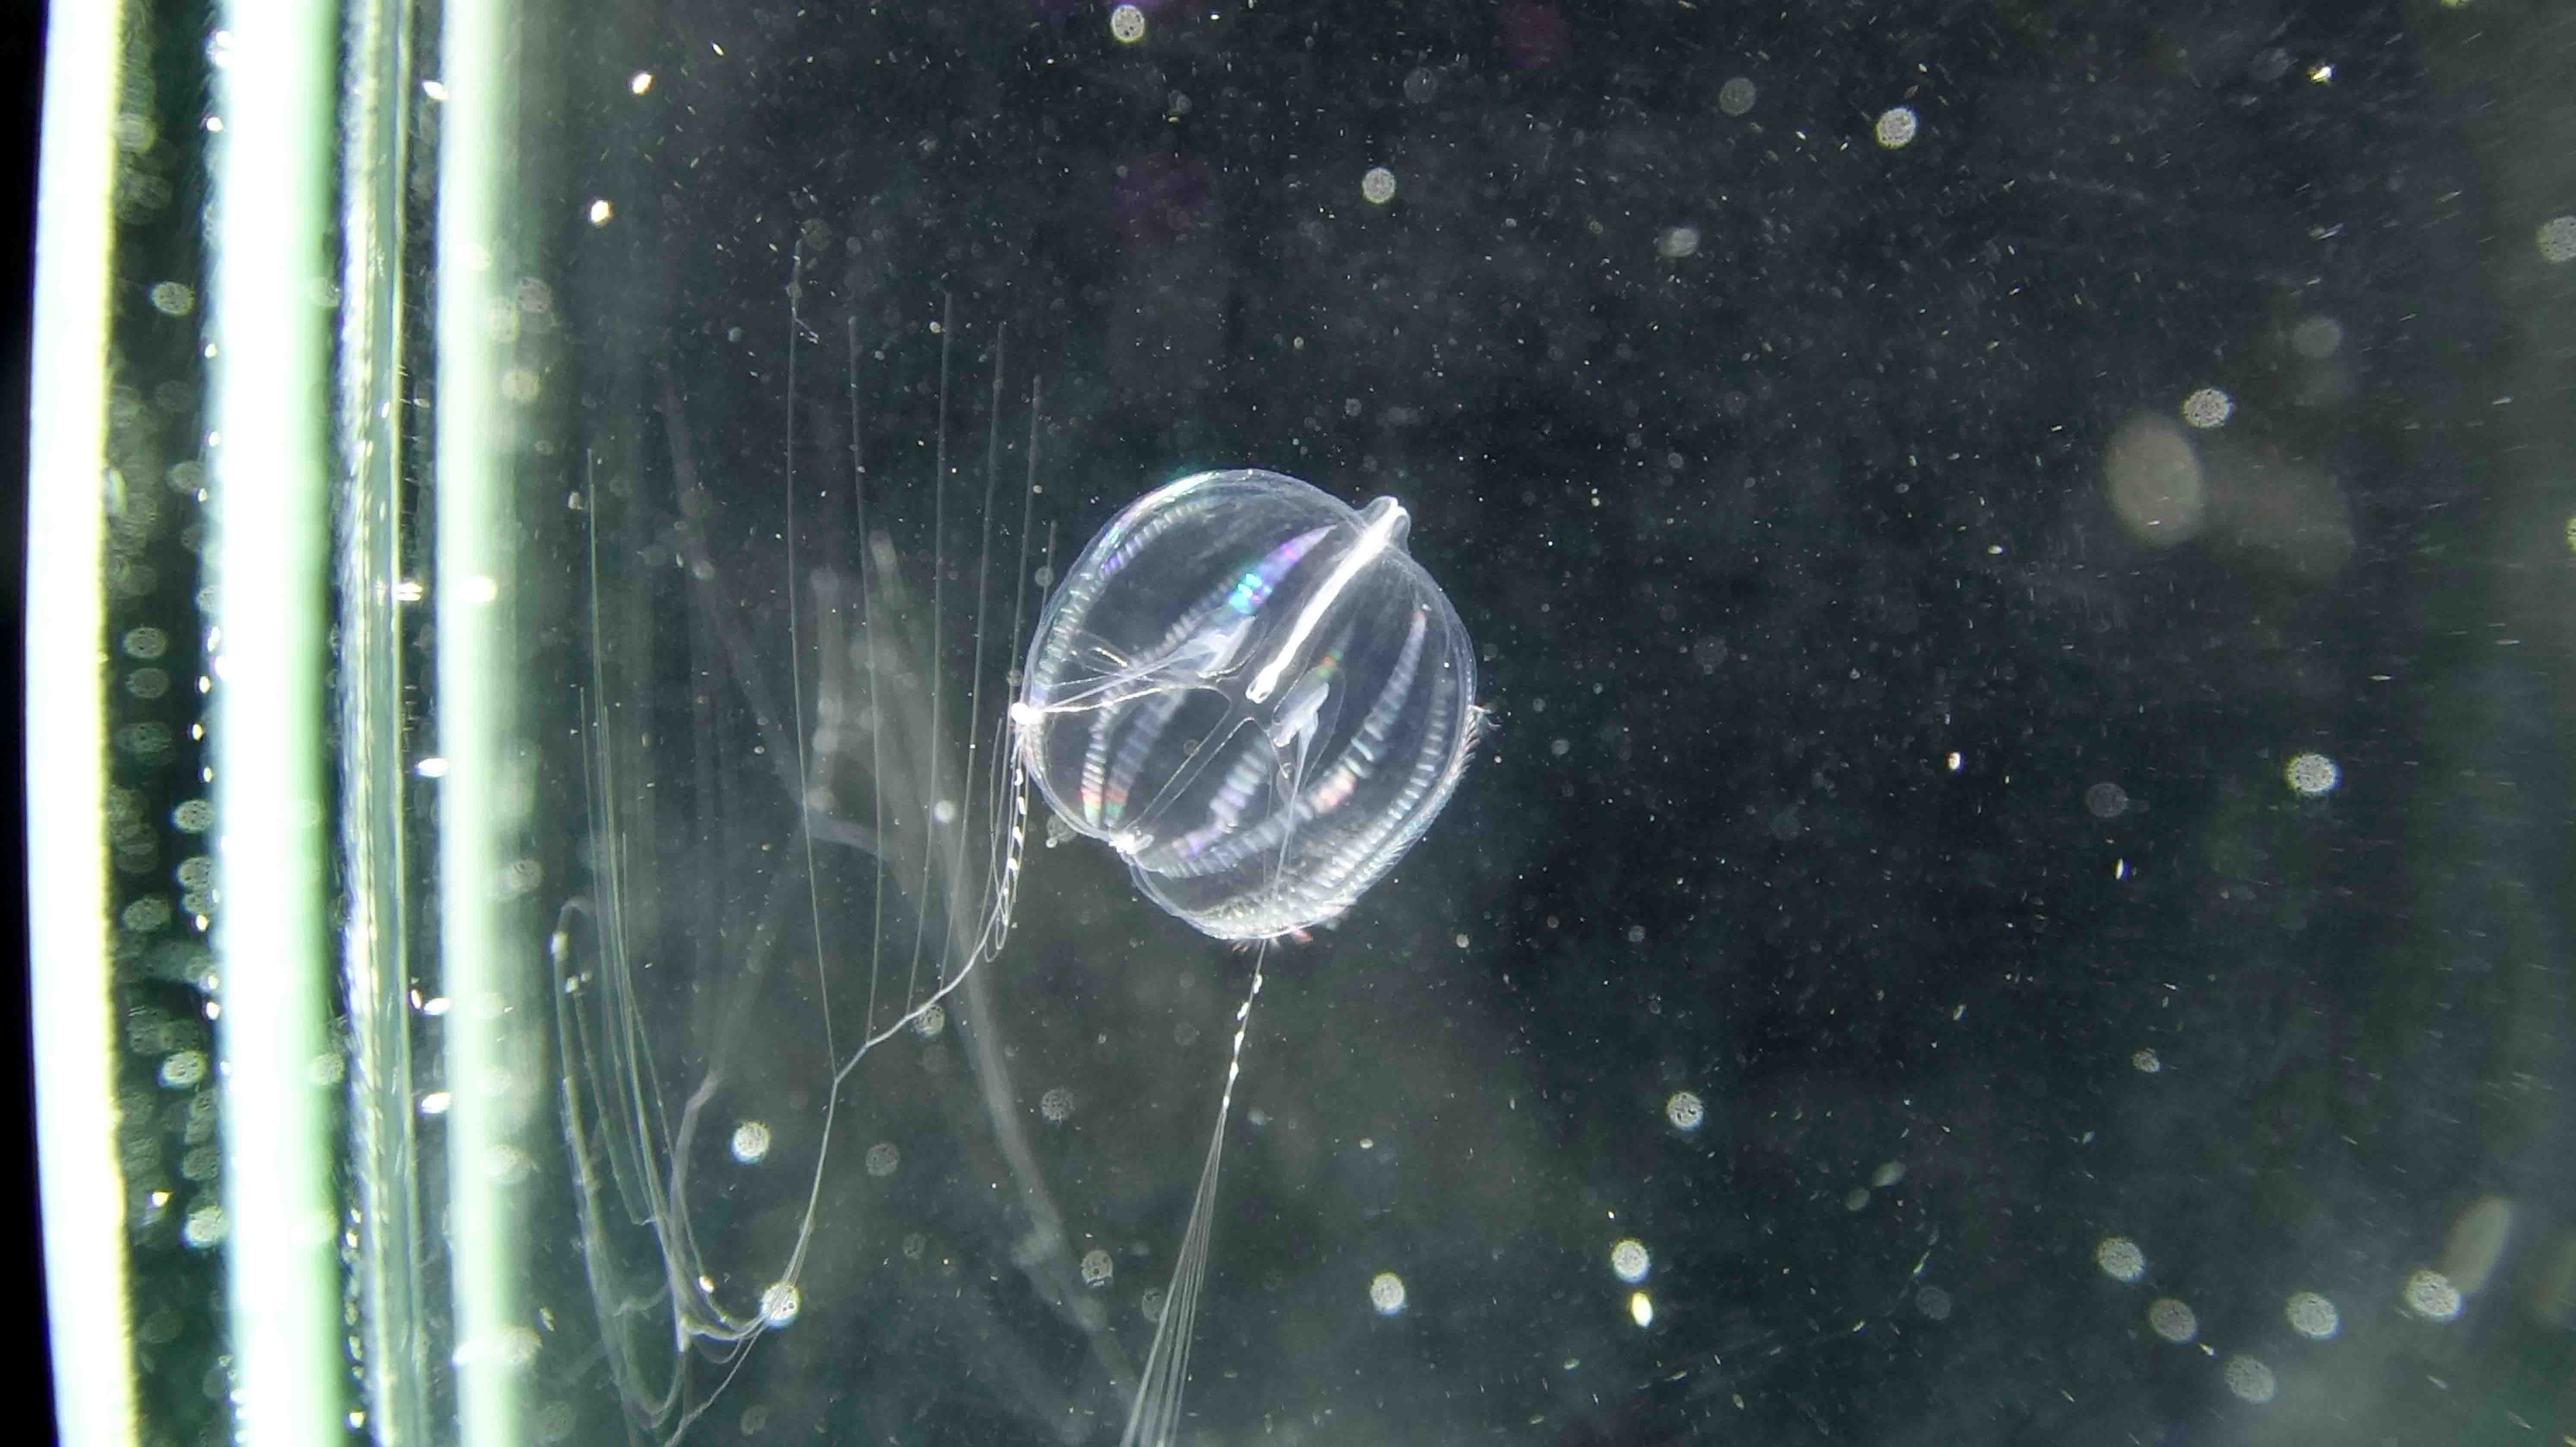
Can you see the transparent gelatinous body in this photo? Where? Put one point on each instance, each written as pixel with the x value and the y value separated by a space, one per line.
pixel 1254 694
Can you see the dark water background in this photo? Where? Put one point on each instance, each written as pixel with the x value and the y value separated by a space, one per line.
pixel 1862 769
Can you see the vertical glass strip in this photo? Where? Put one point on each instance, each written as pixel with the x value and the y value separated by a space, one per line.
pixel 490 1078
pixel 272 291
pixel 75 1049
pixel 376 274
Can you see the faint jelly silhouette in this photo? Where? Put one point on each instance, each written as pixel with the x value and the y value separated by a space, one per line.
pixel 800 828
pixel 805 836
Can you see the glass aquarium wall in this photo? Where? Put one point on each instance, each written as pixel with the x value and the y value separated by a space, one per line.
pixel 1038 721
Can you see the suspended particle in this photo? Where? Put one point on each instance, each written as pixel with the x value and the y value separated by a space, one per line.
pixel 2209 407
pixel 2312 1316
pixel 2430 1295
pixel 1386 1293
pixel 2120 1259
pixel 2250 1379
pixel 1641 1309
pixel 2557 240
pixel 1677 242
pixel 2173 1320
pixel 2316 338
pixel 1887 1174
pixel 2312 775
pixel 780 1303
pixel 206 1228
